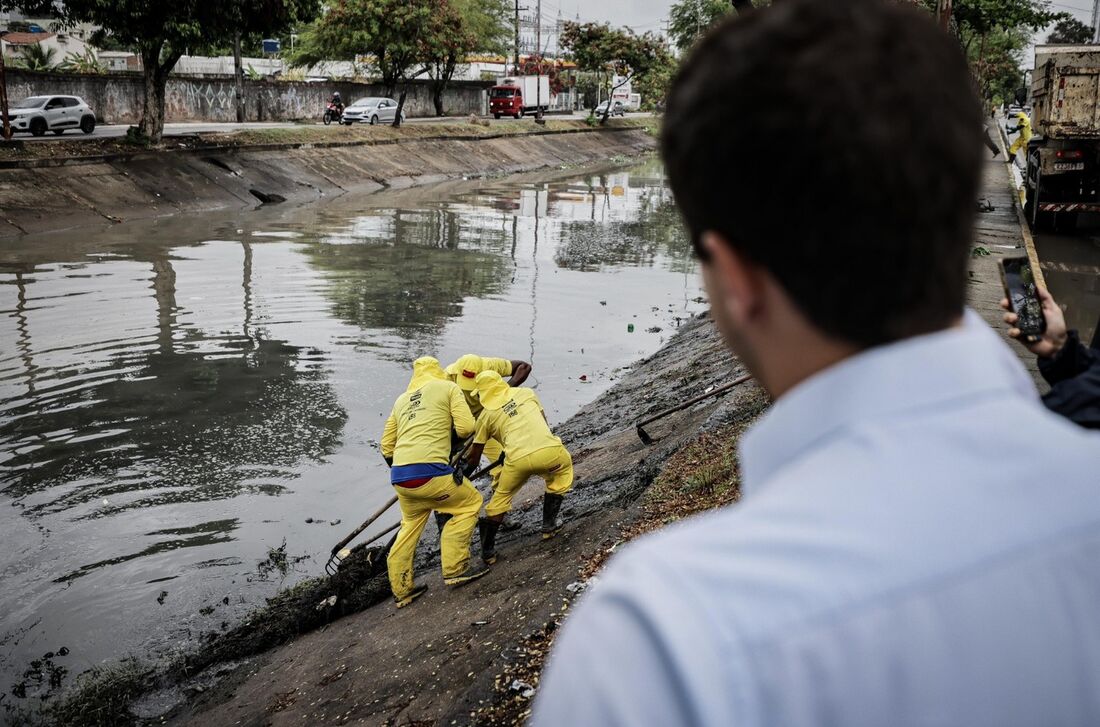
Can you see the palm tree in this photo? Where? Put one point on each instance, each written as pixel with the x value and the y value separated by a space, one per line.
pixel 83 63
pixel 37 57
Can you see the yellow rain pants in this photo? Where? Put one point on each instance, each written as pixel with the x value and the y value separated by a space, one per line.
pixel 461 502
pixel 553 464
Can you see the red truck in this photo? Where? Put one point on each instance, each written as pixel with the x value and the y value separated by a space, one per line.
pixel 518 95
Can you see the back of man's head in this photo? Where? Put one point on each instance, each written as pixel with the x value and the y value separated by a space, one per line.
pixel 835 143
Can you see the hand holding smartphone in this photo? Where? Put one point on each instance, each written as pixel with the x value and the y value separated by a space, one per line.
pixel 1023 297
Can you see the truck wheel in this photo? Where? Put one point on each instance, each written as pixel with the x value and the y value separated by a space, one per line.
pixel 87 124
pixel 38 127
pixel 519 114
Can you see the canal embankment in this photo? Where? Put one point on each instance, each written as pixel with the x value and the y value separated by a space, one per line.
pixel 62 185
pixel 474 656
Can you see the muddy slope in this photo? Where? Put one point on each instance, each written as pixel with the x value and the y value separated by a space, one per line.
pixel 158 184
pixel 434 663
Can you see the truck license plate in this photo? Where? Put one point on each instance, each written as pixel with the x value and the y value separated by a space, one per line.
pixel 1068 166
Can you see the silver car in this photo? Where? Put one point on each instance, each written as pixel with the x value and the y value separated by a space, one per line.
pixel 371 111
pixel 39 114
pixel 618 108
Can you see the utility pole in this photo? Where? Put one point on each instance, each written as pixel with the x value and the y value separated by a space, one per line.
pixel 516 22
pixel 1096 21
pixel 538 67
pixel 238 76
pixel 4 101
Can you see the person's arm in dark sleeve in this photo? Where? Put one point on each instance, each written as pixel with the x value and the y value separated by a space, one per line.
pixel 1073 359
pixel 1074 375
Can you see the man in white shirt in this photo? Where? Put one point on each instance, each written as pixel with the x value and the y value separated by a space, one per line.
pixel 918 541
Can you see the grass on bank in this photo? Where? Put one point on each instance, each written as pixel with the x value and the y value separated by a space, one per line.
pixel 701 476
pixel 73 146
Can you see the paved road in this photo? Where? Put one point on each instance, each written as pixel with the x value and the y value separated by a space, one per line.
pixel 115 130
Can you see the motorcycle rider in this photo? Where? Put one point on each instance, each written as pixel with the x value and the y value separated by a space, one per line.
pixel 337 102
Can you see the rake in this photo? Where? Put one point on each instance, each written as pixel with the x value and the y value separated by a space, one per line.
pixel 640 426
pixel 340 553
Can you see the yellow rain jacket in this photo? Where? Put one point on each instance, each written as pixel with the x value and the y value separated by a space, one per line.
pixel 464 372
pixel 512 416
pixel 418 430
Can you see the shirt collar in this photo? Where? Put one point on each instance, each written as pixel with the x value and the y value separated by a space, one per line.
pixel 916 373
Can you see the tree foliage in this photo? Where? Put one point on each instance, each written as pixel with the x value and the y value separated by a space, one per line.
pixel 535 64
pixel 459 28
pixel 982 16
pixel 38 57
pixel 161 30
pixel 1070 31
pixel 616 52
pixel 689 19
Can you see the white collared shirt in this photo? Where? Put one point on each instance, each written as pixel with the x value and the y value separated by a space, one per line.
pixel 918 543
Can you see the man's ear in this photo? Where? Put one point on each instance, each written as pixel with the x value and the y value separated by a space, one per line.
pixel 738 280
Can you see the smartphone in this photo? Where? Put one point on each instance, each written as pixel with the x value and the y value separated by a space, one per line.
pixel 1023 297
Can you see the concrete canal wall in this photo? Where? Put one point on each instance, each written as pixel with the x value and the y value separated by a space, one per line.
pixel 118 98
pixel 155 184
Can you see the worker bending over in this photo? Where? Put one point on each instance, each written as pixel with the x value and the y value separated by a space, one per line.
pixel 1023 126
pixel 464 371
pixel 515 418
pixel 416 443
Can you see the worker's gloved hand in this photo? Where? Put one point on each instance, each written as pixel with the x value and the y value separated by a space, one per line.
pixel 469 469
pixel 389 461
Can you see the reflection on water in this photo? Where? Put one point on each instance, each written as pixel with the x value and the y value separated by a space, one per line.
pixel 177 397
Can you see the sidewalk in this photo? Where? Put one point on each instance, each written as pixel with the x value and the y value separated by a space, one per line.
pixel 1002 233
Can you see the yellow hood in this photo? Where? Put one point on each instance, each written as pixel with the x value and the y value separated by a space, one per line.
pixel 425 369
pixel 492 390
pixel 465 370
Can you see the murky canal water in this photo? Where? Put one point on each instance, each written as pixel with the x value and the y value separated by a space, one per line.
pixel 179 397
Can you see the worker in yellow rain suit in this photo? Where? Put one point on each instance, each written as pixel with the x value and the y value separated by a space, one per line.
pixel 416 443
pixel 464 372
pixel 1023 125
pixel 515 418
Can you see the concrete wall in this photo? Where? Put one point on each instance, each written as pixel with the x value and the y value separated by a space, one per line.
pixel 154 184
pixel 117 99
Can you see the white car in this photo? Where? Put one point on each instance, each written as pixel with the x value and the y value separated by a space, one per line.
pixel 618 108
pixel 39 114
pixel 371 111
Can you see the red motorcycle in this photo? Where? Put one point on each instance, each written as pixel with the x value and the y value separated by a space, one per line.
pixel 333 112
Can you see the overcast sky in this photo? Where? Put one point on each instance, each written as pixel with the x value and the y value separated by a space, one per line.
pixel 643 15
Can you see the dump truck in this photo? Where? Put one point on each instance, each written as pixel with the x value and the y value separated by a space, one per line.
pixel 1062 178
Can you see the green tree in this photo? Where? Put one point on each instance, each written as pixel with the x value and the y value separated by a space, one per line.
pixel 618 53
pixel 161 30
pixel 1070 31
pixel 85 62
pixel 458 28
pixel 689 19
pixel 37 57
pixel 391 33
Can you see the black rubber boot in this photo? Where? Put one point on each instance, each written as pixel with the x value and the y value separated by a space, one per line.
pixel 441 519
pixel 551 523
pixel 487 529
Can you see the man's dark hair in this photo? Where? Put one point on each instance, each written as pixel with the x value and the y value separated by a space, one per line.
pixel 837 143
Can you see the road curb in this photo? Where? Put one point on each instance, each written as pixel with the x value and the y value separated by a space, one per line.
pixel 285 146
pixel 1017 200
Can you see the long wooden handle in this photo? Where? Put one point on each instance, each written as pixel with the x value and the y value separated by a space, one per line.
pixel 702 397
pixel 366 524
